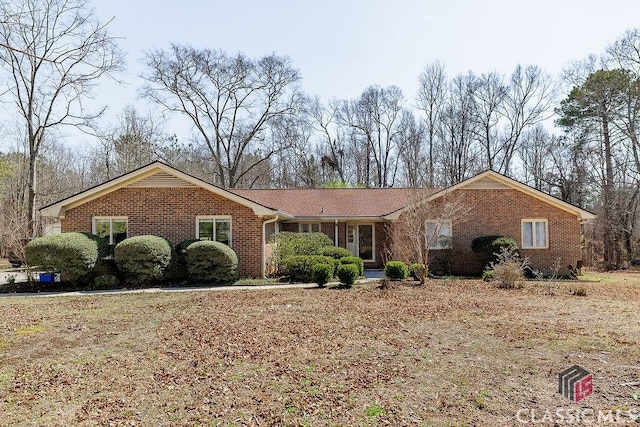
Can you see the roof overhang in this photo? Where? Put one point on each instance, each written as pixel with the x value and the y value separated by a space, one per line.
pixel 337 218
pixel 58 209
pixel 505 182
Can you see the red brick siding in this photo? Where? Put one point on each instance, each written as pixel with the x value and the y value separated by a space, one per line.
pixel 171 213
pixel 501 212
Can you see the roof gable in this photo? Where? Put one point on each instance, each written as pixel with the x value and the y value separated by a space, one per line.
pixel 156 175
pixel 491 180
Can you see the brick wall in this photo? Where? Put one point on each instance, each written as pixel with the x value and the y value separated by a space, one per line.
pixel 171 213
pixel 500 212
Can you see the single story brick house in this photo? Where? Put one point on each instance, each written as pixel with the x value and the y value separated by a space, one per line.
pixel 160 200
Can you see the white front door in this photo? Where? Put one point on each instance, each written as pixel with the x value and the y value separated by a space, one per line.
pixel 360 240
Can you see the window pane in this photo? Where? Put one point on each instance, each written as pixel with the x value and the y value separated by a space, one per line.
pixel 103 229
pixel 118 230
pixel 527 234
pixel 205 229
pixel 315 228
pixel 541 234
pixel 223 231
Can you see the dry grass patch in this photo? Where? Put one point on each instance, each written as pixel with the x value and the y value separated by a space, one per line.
pixel 448 353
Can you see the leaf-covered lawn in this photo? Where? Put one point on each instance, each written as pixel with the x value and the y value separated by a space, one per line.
pixel 449 353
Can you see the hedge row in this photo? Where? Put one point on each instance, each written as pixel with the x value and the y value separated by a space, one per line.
pixel 139 260
pixel 321 269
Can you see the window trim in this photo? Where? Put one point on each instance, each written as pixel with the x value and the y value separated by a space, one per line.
pixel 94 229
pixel 214 218
pixel 534 221
pixel 309 224
pixel 438 221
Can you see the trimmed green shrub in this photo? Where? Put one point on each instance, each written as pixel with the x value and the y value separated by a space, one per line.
pixel 418 271
pixel 299 268
pixel 347 273
pixel 210 261
pixel 335 252
pixel 72 254
pixel 322 273
pixel 142 258
pixel 290 244
pixel 355 261
pixel 396 270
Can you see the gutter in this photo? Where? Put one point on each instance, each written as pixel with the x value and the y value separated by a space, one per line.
pixel 264 244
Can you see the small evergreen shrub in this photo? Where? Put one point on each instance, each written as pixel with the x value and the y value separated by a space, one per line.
pixel 72 254
pixel 289 244
pixel 396 270
pixel 347 273
pixel 299 268
pixel 418 271
pixel 142 259
pixel 335 252
pixel 355 261
pixel 322 273
pixel 487 275
pixel 210 261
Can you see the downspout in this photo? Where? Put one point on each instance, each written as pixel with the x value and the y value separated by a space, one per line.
pixel 264 244
pixel 335 234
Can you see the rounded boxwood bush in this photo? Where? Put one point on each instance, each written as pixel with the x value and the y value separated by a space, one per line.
pixel 210 261
pixel 347 273
pixel 396 270
pixel 322 273
pixel 72 254
pixel 142 258
pixel 357 261
pixel 299 268
pixel 335 252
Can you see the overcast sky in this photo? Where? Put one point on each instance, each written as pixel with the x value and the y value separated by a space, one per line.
pixel 343 46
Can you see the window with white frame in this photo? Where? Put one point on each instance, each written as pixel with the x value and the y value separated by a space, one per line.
pixel 215 228
pixel 439 234
pixel 113 229
pixel 535 234
pixel 309 227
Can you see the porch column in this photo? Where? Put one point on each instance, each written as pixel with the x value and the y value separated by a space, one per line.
pixel 335 234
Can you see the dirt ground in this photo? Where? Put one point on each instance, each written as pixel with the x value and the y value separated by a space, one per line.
pixel 451 353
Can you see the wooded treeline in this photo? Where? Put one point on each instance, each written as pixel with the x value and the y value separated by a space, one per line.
pixel 574 136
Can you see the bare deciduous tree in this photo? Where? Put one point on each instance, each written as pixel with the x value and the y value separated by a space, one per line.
pixel 432 94
pixel 231 101
pixel 53 52
pixel 421 224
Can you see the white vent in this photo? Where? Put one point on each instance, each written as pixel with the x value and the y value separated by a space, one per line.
pixel 161 180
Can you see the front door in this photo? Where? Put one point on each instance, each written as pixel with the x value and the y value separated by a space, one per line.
pixel 360 241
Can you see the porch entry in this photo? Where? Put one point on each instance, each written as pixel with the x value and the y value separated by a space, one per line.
pixel 360 240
